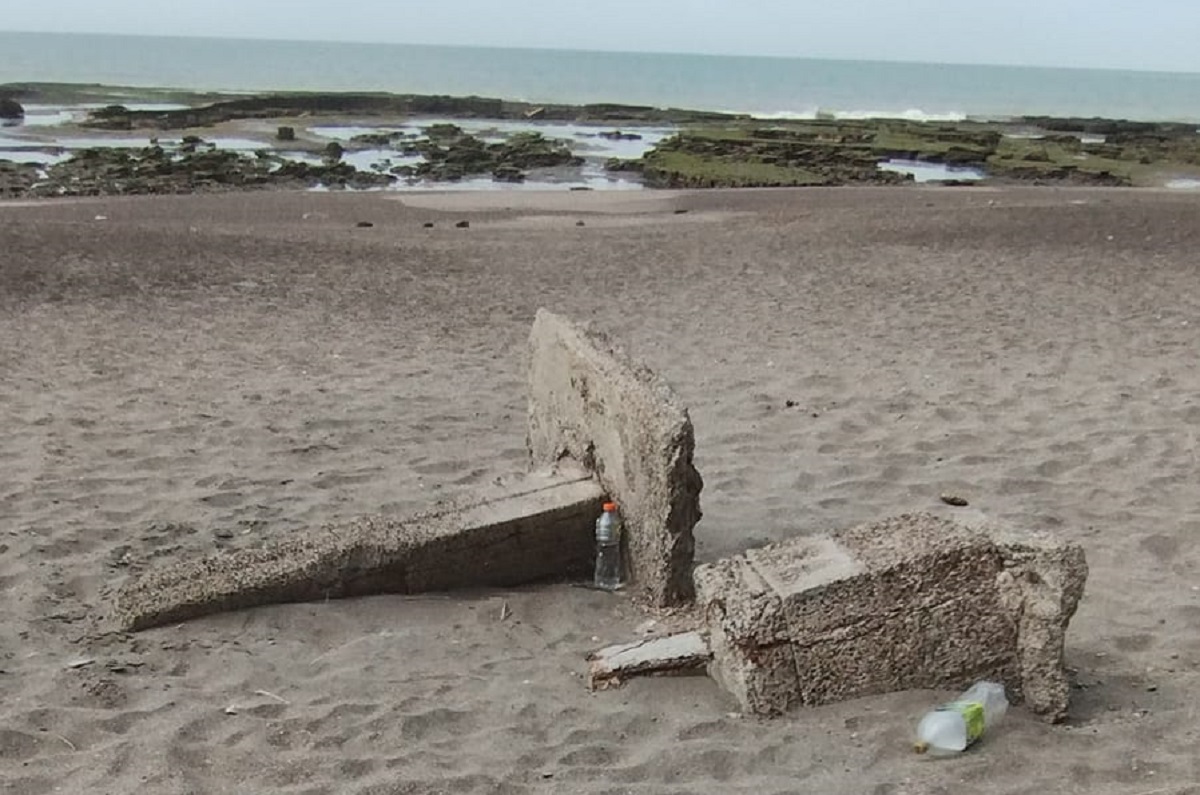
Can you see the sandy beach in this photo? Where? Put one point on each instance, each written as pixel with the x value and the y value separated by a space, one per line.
pixel 186 374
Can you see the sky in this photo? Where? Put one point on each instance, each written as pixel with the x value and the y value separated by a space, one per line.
pixel 1122 34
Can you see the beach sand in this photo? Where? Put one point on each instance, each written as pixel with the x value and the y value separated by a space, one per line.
pixel 206 372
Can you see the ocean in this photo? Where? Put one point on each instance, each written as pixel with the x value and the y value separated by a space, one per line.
pixel 774 87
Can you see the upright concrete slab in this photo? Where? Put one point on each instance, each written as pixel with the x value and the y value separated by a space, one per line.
pixel 915 601
pixel 539 528
pixel 589 402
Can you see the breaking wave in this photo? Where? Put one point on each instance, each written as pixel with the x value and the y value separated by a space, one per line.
pixel 910 114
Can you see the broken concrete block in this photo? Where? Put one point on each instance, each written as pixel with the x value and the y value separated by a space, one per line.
pixel 539 528
pixel 673 655
pixel 587 401
pixel 912 602
pixel 742 611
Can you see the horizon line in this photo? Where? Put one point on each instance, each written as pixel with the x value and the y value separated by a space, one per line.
pixel 681 54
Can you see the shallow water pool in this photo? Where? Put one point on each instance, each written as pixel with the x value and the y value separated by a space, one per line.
pixel 931 172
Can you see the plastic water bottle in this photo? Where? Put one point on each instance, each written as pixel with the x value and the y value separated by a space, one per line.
pixel 608 548
pixel 955 726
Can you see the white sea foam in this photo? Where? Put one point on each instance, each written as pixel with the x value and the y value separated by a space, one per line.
pixel 49 115
pixel 33 156
pixel 780 115
pixel 912 114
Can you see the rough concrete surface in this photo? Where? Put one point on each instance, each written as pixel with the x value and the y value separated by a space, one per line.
pixel 538 528
pixel 914 601
pixel 671 655
pixel 589 402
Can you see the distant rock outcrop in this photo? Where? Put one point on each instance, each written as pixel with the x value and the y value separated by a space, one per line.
pixel 617 135
pixel 11 110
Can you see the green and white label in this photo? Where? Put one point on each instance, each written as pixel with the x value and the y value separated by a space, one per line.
pixel 972 715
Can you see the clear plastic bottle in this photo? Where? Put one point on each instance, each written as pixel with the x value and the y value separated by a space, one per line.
pixel 955 726
pixel 608 548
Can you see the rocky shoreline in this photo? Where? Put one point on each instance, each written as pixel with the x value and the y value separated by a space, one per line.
pixel 843 153
pixel 447 154
pixel 703 150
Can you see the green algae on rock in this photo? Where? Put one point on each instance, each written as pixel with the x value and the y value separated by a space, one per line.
pixel 832 152
pixel 192 168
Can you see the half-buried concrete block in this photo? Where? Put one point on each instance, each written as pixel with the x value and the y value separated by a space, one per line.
pixel 589 402
pixel 916 601
pixel 539 528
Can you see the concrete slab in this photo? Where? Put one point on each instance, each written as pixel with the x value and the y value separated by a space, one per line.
pixel 589 402
pixel 915 601
pixel 538 528
pixel 673 655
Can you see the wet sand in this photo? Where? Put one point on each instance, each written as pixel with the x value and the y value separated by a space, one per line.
pixel 195 373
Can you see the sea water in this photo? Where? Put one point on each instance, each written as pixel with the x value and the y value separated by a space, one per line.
pixel 775 87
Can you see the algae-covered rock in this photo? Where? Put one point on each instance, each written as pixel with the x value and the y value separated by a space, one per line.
pixel 110 117
pixel 11 110
pixel 16 179
pixel 508 173
pixel 333 152
pixel 188 168
pixel 451 154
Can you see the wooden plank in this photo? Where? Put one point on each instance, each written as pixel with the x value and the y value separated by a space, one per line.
pixel 674 655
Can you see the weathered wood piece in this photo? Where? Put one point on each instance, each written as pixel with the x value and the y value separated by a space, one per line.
pixel 685 653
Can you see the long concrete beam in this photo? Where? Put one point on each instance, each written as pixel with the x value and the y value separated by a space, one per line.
pixel 539 528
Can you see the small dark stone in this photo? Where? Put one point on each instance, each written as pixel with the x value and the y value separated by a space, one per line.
pixel 463 225
pixel 955 500
pixel 333 152
pixel 681 212
pixel 364 225
pixel 580 223
pixel 1152 689
pixel 428 224
pixel 225 534
pixel 791 404
pixel 617 135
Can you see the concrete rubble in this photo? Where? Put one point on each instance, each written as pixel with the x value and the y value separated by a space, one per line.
pixel 588 405
pixel 911 602
pixel 535 529
pixel 589 402
pixel 926 600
